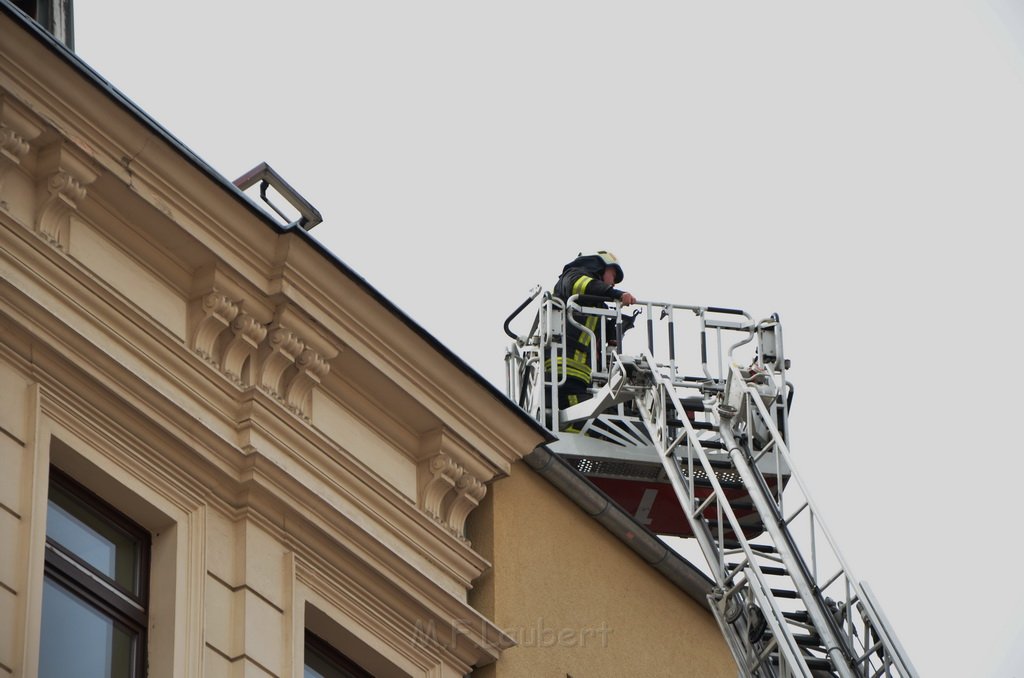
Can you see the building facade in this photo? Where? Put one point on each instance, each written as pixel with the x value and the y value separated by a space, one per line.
pixel 223 453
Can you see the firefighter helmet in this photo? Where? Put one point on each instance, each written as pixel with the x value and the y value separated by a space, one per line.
pixel 613 261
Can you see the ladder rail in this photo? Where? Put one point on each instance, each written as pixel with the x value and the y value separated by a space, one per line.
pixel 876 622
pixel 645 391
pixel 783 636
pixel 787 549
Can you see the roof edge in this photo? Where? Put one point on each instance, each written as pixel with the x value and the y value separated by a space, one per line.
pixel 76 62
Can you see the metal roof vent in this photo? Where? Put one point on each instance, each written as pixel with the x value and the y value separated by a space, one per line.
pixel 307 216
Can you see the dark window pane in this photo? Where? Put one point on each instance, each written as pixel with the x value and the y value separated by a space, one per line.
pixel 317 667
pixel 323 661
pixel 91 537
pixel 79 640
pixel 314 669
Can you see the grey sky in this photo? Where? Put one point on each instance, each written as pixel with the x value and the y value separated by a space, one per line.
pixel 856 168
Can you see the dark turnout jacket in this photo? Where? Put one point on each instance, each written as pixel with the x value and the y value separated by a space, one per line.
pixel 582 276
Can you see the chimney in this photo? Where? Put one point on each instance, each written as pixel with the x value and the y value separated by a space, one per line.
pixel 56 16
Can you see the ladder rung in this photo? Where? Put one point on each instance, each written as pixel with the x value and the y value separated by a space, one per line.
pixel 719 463
pixel 813 640
pixel 698 425
pixel 784 593
pixel 762 548
pixel 727 532
pixel 813 663
pixel 732 544
pixel 692 403
pixel 767 569
pixel 712 445
pixel 798 616
pixel 771 569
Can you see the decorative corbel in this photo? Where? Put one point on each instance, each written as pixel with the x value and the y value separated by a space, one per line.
pixel 282 348
pixel 248 334
pixel 469 493
pixel 63 177
pixel 217 313
pixel 311 369
pixel 443 473
pixel 449 493
pixel 16 134
pixel 295 358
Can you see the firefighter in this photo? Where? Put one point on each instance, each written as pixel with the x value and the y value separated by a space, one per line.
pixel 593 277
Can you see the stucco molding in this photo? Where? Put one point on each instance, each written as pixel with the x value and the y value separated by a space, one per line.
pixel 289 368
pixel 247 335
pixel 258 492
pixel 424 631
pixel 315 470
pixel 280 352
pixel 63 175
pixel 113 347
pixel 82 438
pixel 227 323
pixel 449 493
pixel 469 491
pixel 452 479
pixel 485 423
pixel 284 357
pixel 305 481
pixel 449 393
pixel 287 264
pixel 17 132
pixel 216 312
pixel 443 474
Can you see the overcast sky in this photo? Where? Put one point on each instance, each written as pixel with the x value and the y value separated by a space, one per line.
pixel 856 167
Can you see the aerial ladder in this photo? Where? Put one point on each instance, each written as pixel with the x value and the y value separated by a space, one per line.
pixel 706 455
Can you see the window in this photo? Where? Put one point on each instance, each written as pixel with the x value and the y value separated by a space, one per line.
pixel 323 661
pixel 95 588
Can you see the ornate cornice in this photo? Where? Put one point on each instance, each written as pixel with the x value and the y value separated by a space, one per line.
pixel 449 493
pixel 247 334
pixel 469 491
pixel 62 177
pixel 284 362
pixel 217 313
pixel 443 474
pixel 311 368
pixel 13 146
pixel 279 352
pixel 17 131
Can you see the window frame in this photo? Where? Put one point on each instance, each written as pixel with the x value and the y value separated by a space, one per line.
pixel 94 588
pixel 341 662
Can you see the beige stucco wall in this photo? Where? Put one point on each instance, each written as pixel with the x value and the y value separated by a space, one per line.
pixel 302 456
pixel 578 601
pixel 238 570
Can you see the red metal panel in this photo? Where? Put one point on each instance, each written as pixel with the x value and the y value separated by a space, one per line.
pixel 655 506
